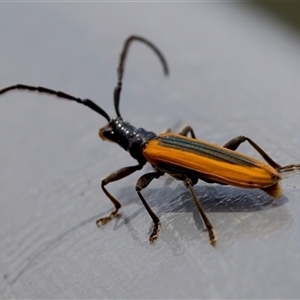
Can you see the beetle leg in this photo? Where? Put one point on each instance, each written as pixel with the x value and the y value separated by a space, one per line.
pixel 289 168
pixel 114 176
pixel 235 142
pixel 211 232
pixel 167 130
pixel 186 130
pixel 141 184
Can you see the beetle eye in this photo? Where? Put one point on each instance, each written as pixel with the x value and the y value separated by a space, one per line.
pixel 107 133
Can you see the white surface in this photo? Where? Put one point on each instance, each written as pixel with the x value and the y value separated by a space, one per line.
pixel 234 71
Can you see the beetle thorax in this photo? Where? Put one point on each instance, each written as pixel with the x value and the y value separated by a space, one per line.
pixel 130 138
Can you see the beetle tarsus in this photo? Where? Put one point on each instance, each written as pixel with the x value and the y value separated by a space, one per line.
pixel 155 233
pixel 212 236
pixel 289 168
pixel 106 219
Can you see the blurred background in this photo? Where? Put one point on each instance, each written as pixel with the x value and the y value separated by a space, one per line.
pixel 286 11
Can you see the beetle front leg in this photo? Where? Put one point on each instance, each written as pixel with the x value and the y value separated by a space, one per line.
pixel 141 184
pixel 211 232
pixel 235 143
pixel 114 176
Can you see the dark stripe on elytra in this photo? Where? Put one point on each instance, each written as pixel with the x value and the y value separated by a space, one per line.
pixel 199 148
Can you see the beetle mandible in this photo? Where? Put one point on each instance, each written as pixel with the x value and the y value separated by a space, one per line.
pixel 184 158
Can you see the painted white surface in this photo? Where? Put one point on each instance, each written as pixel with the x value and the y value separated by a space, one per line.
pixel 234 71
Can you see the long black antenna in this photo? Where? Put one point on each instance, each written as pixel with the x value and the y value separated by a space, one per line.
pixel 87 102
pixel 123 56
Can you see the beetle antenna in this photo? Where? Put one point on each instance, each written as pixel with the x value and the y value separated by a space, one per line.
pixel 58 94
pixel 120 70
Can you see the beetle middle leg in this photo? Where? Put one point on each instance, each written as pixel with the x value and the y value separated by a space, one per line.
pixel 141 184
pixel 114 176
pixel 186 130
pixel 211 232
pixel 234 143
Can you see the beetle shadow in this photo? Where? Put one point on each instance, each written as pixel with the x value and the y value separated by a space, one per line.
pixel 214 198
pixel 171 205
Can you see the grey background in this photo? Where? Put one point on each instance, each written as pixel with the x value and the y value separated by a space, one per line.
pixel 234 70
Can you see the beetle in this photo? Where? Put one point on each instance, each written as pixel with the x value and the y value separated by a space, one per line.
pixel 184 158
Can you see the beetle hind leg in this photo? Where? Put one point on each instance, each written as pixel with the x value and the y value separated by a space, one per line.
pixel 234 143
pixel 288 168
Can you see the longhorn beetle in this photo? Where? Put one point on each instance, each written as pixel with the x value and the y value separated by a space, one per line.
pixel 184 158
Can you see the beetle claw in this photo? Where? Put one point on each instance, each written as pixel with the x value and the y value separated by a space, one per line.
pixel 212 237
pixel 155 233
